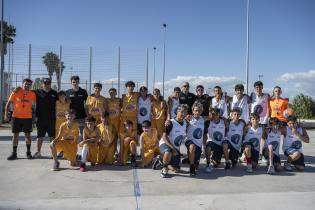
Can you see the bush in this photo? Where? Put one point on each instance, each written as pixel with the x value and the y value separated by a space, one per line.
pixel 304 106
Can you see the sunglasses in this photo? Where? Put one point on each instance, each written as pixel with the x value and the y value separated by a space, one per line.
pixel 199 89
pixel 186 86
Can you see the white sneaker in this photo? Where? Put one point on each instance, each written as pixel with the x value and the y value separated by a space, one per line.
pixel 164 172
pixel 208 169
pixel 249 168
pixel 271 169
pixel 37 155
pixel 287 166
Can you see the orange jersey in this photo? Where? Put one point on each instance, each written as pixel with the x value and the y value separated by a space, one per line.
pixel 95 106
pixel 114 108
pixel 148 141
pixel 106 133
pixel 69 133
pixel 277 107
pixel 61 110
pixel 22 101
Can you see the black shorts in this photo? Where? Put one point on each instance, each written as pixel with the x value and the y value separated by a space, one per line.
pixel 139 129
pixel 299 161
pixel 233 153
pixel 197 151
pixel 254 153
pixel 44 127
pixel 22 125
pixel 276 158
pixel 217 151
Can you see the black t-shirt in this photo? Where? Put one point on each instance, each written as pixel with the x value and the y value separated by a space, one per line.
pixel 77 99
pixel 188 99
pixel 46 104
pixel 205 101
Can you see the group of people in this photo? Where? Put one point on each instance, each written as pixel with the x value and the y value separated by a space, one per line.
pixel 218 126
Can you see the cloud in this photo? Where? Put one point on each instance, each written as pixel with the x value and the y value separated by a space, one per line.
pixel 227 83
pixel 298 82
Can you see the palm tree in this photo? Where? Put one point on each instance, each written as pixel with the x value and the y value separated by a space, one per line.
pixel 52 62
pixel 9 32
pixel 59 74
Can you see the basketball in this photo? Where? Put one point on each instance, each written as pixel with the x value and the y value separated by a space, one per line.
pixel 288 112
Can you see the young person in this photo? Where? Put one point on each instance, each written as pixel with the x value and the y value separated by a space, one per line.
pixel 149 144
pixel 95 103
pixel 251 144
pixel 214 134
pixel 204 99
pixel 232 146
pixel 260 103
pixel 292 144
pixel 220 101
pixel 173 103
pixel 128 144
pixel 62 106
pixel 144 107
pixel 278 105
pixel 173 136
pixel 129 107
pixel 89 143
pixel 23 101
pixel 241 101
pixel 159 112
pixel 113 105
pixel 66 141
pixel 194 140
pixel 271 140
pixel 107 142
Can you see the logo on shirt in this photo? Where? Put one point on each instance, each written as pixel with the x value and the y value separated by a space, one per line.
pixel 130 107
pixel 178 140
pixel 258 109
pixel 143 111
pixel 217 136
pixel 197 134
pixel 275 145
pixel 235 139
pixel 296 145
pixel 254 142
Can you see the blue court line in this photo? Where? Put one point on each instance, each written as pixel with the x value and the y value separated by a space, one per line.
pixel 136 187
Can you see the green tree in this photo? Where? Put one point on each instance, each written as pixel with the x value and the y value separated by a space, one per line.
pixel 51 61
pixel 9 31
pixel 36 84
pixel 59 72
pixel 304 106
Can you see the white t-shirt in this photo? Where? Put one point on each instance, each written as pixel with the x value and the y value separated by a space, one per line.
pixel 195 131
pixel 144 109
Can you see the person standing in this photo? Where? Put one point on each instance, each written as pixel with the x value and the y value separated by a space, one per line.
pixel 78 97
pixel 23 101
pixel 45 113
pixel 185 97
pixel 204 100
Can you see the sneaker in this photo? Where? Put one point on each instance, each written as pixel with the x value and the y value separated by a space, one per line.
pixel 271 169
pixel 263 159
pixel 56 166
pixel 287 166
pixel 60 155
pixel 164 172
pixel 29 155
pixel 249 168
pixel 185 160
pixel 208 169
pixel 37 155
pixel 156 163
pixel 13 156
pixel 82 167
pixel 134 162
pixel 227 165
pixel 93 164
pixel 192 170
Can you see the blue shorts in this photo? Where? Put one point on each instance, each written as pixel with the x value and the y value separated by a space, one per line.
pixel 175 160
pixel 217 151
pixel 197 151
pixel 255 153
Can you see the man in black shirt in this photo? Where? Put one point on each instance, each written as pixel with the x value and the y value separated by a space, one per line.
pixel 78 97
pixel 185 97
pixel 45 113
pixel 204 99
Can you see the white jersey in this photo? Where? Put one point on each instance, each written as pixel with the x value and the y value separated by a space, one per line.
pixel 177 134
pixel 242 105
pixel 144 109
pixel 221 104
pixel 253 137
pixel 292 141
pixel 195 131
pixel 216 132
pixel 235 134
pixel 175 104
pixel 274 139
pixel 260 105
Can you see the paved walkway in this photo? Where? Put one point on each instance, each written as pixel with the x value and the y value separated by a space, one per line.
pixel 30 184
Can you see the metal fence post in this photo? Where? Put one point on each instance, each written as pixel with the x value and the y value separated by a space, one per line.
pixel 147 70
pixel 90 76
pixel 118 72
pixel 29 60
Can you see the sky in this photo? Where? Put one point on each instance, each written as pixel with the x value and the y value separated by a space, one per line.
pixel 205 39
